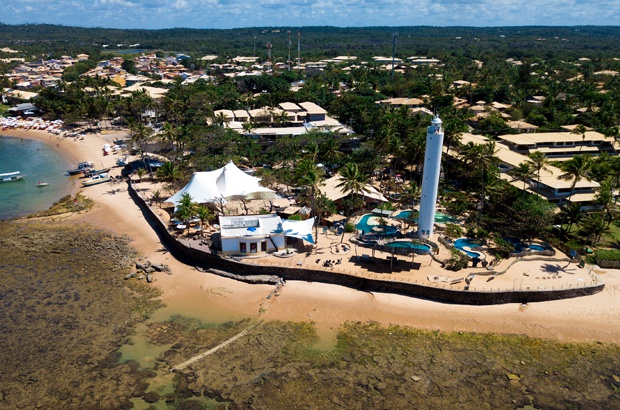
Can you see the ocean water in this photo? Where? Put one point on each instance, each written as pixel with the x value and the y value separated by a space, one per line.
pixel 37 162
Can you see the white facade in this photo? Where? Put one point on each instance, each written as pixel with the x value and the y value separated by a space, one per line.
pixel 251 234
pixel 430 178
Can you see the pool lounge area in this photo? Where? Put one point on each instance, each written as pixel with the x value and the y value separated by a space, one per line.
pixel 370 224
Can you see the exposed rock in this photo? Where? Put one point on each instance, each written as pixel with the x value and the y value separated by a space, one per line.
pixel 416 378
pixel 149 269
pixel 149 278
pixel 513 377
pixel 131 275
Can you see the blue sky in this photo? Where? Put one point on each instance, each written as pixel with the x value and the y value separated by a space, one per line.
pixel 156 14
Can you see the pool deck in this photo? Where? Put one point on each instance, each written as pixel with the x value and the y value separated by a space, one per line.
pixel 524 273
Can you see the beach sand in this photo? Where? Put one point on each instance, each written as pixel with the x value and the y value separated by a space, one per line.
pixel 210 297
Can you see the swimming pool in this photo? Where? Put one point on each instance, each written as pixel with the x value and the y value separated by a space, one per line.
pixel 369 223
pixel 522 246
pixel 439 217
pixel 466 242
pixel 418 246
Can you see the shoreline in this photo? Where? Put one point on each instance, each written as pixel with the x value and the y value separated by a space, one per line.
pixel 586 319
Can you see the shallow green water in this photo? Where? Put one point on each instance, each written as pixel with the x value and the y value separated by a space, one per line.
pixel 37 162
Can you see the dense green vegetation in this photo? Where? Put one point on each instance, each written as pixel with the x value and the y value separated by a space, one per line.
pixel 387 141
pixel 439 42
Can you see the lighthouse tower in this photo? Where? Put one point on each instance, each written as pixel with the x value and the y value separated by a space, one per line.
pixel 430 178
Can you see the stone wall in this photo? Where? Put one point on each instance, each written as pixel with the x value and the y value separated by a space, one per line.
pixel 206 260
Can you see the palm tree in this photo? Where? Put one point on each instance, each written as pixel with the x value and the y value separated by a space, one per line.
pixel 186 209
pixel 576 169
pixel 141 136
pixel 204 214
pixel 539 162
pixel 351 180
pixel 248 126
pixel 605 199
pixel 481 156
pixel 157 196
pixel 221 119
pixel 168 133
pixel 594 225
pixel 169 172
pixel 572 214
pixel 330 151
pixel 309 176
pixel 580 130
pixel 140 173
pixel 522 172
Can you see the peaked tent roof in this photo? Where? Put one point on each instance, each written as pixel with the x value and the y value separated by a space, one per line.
pixel 228 182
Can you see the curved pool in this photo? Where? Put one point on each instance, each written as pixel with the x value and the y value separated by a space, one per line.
pixel 461 243
pixel 418 246
pixel 369 223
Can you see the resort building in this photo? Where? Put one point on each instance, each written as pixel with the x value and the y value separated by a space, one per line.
pixel 549 186
pixel 560 145
pixel 288 119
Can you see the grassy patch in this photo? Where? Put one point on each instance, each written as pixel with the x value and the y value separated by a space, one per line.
pixel 65 205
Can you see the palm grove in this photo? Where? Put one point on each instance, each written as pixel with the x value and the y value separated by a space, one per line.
pixel 392 140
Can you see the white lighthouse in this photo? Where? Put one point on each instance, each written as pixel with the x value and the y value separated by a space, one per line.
pixel 430 178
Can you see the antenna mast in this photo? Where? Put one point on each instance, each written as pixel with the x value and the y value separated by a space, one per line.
pixel 299 50
pixel 269 56
pixel 289 62
pixel 394 35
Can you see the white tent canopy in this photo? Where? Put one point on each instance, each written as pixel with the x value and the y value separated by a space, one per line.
pixel 228 182
pixel 299 229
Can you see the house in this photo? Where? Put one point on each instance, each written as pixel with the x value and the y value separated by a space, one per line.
pixel 522 126
pixel 251 234
pixel 248 235
pixel 24 110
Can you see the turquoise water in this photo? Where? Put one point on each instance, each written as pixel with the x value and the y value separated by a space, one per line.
pixel 363 226
pixel 462 242
pixel 37 162
pixel 439 217
pixel 408 244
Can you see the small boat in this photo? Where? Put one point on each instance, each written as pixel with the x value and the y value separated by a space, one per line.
pixel 11 177
pixel 42 184
pixel 121 162
pixel 92 172
pixel 97 179
pixel 81 168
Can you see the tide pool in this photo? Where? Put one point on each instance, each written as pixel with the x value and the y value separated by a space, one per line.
pixel 38 163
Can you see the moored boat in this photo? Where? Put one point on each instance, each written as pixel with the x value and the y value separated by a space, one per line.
pixel 92 172
pixel 42 184
pixel 81 168
pixel 11 176
pixel 97 179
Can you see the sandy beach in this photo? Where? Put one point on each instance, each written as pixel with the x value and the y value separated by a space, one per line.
pixel 210 297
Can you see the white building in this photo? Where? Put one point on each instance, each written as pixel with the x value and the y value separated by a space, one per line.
pixel 251 234
pixel 248 235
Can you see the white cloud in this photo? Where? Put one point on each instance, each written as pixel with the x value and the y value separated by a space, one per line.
pixel 342 13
